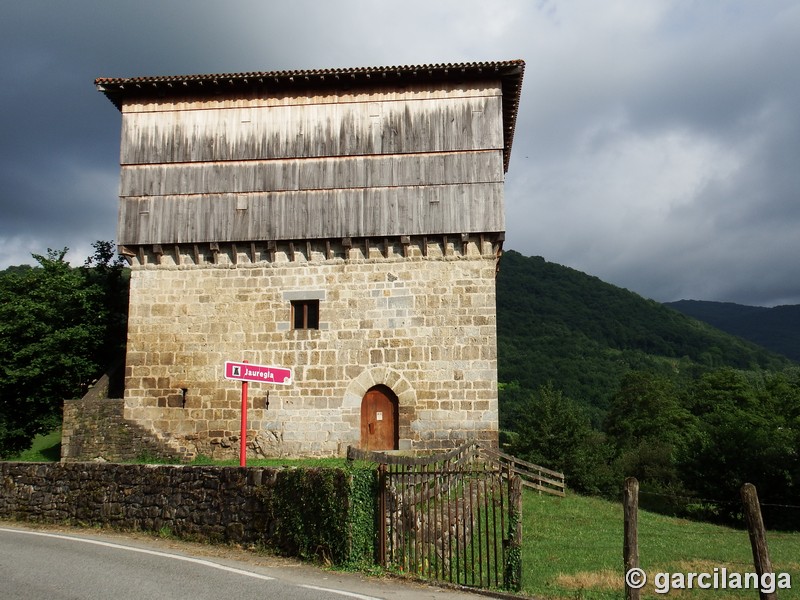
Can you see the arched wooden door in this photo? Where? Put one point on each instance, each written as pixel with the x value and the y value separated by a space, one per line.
pixel 379 422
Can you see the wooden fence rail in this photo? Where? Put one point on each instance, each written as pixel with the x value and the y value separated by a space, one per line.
pixel 533 476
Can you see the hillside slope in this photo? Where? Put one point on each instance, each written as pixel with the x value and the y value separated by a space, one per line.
pixel 556 324
pixel 777 329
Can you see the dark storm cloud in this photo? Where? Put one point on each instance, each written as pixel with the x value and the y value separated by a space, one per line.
pixel 655 147
pixel 664 163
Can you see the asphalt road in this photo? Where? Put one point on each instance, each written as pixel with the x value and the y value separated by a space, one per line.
pixel 53 565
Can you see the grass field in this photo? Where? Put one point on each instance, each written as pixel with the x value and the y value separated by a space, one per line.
pixel 46 448
pixel 572 548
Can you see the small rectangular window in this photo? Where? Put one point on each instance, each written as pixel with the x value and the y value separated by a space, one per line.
pixel 305 314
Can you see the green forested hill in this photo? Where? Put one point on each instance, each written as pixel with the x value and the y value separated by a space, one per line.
pixel 602 384
pixel 777 328
pixel 559 325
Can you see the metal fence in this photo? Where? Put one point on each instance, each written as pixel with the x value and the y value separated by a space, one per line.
pixel 452 517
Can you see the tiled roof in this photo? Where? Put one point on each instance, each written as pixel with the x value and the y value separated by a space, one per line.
pixel 509 72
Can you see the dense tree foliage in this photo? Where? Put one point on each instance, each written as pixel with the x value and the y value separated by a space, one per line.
pixel 748 431
pixel 59 328
pixel 549 429
pixel 603 384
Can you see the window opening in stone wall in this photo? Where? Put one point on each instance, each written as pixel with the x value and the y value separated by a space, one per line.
pixel 305 314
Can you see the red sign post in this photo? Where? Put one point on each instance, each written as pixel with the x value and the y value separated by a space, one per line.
pixel 244 372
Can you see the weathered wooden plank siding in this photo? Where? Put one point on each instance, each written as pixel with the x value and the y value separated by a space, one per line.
pixel 265 96
pixel 330 164
pixel 312 174
pixel 327 213
pixel 314 130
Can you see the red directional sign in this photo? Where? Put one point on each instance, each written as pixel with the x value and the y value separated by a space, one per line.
pixel 260 373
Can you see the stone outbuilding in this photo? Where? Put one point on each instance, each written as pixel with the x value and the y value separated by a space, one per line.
pixel 344 223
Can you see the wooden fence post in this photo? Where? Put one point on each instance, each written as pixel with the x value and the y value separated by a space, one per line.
pixel 758 535
pixel 630 547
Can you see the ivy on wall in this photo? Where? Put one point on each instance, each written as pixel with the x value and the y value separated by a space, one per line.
pixel 363 515
pixel 512 567
pixel 325 513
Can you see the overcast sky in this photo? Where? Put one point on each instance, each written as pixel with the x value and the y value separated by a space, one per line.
pixel 657 146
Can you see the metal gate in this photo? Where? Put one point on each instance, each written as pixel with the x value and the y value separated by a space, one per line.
pixel 453 517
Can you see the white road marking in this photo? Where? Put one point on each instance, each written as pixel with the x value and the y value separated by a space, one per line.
pixel 198 561
pixel 342 593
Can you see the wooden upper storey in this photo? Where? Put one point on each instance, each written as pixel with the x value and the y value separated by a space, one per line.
pixel 324 154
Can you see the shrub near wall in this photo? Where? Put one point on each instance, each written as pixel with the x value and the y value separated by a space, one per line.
pixel 326 512
pixel 322 512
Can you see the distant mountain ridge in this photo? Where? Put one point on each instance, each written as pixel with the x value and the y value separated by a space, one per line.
pixel 777 329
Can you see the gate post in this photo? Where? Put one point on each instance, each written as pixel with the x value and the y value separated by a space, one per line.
pixel 382 514
pixel 512 569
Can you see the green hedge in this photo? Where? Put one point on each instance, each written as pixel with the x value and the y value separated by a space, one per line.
pixel 326 513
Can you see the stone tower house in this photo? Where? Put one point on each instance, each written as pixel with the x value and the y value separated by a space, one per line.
pixel 345 223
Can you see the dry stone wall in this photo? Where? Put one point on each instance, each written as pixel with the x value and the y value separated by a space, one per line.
pixel 208 503
pixel 420 321
pixel 204 503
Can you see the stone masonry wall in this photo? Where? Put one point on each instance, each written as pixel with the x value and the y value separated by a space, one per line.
pixel 203 503
pixel 420 321
pixel 209 503
pixel 94 429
